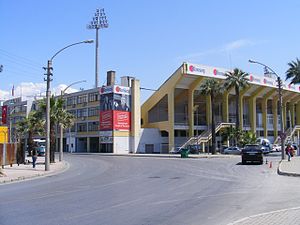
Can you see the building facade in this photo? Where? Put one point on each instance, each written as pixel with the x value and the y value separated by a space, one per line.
pixel 182 114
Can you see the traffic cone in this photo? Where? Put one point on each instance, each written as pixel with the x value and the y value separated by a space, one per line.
pixel 270 166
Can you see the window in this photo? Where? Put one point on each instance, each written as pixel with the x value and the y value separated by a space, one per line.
pixel 81 127
pixel 93 97
pixel 71 101
pixel 81 113
pixel 82 99
pixel 94 111
pixel 73 112
pixel 93 126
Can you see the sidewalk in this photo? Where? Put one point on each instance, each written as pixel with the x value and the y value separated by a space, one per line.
pixel 18 173
pixel 290 168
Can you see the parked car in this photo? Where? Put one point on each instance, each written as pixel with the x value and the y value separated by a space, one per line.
pixel 41 150
pixel 276 148
pixel 232 150
pixel 252 153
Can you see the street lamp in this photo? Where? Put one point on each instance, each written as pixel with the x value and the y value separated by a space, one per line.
pixel 48 80
pixel 279 83
pixel 61 127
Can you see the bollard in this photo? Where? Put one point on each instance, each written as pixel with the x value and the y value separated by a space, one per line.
pixel 266 161
pixel 270 166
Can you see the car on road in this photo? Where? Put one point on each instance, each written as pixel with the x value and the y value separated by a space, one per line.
pixel 276 148
pixel 252 153
pixel 41 150
pixel 234 150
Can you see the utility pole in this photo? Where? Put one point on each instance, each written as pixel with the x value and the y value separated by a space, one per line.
pixel 99 22
pixel 48 94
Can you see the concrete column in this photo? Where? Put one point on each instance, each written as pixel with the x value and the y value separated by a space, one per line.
pixel 88 144
pixel 208 110
pixel 241 110
pixel 284 115
pixel 171 118
pixel 298 113
pixel 292 108
pixel 265 110
pixel 264 115
pixel 191 112
pixel 241 105
pixel 275 116
pixel 252 110
pixel 225 102
pixel 135 115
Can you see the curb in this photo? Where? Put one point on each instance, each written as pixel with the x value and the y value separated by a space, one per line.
pixel 283 173
pixel 174 156
pixel 65 167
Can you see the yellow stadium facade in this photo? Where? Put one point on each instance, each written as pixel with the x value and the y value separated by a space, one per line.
pixel 181 113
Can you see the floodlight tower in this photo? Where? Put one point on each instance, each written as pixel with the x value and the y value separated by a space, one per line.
pixel 99 22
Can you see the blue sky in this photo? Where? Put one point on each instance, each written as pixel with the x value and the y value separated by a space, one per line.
pixel 145 39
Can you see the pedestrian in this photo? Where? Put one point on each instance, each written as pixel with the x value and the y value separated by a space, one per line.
pixel 34 156
pixel 289 151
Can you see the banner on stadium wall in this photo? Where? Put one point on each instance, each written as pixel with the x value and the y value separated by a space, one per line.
pixel 4 114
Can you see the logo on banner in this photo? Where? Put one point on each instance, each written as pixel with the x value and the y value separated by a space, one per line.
pixel 196 69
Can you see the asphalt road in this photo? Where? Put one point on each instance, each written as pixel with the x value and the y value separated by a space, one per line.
pixel 109 190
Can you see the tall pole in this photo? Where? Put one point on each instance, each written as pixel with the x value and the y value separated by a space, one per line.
pixel 99 22
pixel 96 59
pixel 48 94
pixel 279 84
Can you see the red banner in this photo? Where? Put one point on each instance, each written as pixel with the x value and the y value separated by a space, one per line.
pixel 4 114
pixel 121 120
pixel 114 120
pixel 106 120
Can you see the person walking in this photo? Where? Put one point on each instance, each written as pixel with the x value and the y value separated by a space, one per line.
pixel 289 151
pixel 34 156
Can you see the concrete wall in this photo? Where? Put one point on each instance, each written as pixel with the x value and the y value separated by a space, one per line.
pixel 150 136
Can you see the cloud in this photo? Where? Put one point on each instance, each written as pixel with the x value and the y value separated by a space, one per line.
pixel 30 90
pixel 231 46
pixel 238 44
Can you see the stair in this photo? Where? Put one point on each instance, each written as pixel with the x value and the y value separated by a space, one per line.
pixel 205 136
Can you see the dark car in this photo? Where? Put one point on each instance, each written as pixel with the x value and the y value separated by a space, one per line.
pixel 252 153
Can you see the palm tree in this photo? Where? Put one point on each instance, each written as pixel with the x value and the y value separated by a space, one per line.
pixel 31 125
pixel 58 115
pixel 293 71
pixel 239 80
pixel 211 87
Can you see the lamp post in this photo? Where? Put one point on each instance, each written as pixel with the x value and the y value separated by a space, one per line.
pixel 61 127
pixel 48 80
pixel 279 83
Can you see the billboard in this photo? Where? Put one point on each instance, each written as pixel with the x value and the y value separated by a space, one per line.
pixel 4 114
pixel 114 120
pixel 115 108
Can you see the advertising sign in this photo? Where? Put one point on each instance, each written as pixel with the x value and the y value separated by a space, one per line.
pixel 106 139
pixel 4 114
pixel 106 120
pixel 121 120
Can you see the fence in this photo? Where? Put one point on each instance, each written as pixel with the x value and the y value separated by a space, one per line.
pixel 9 154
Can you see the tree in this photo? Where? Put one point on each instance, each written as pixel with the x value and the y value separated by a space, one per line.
pixel 293 72
pixel 211 87
pixel 58 115
pixel 29 126
pixel 239 80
